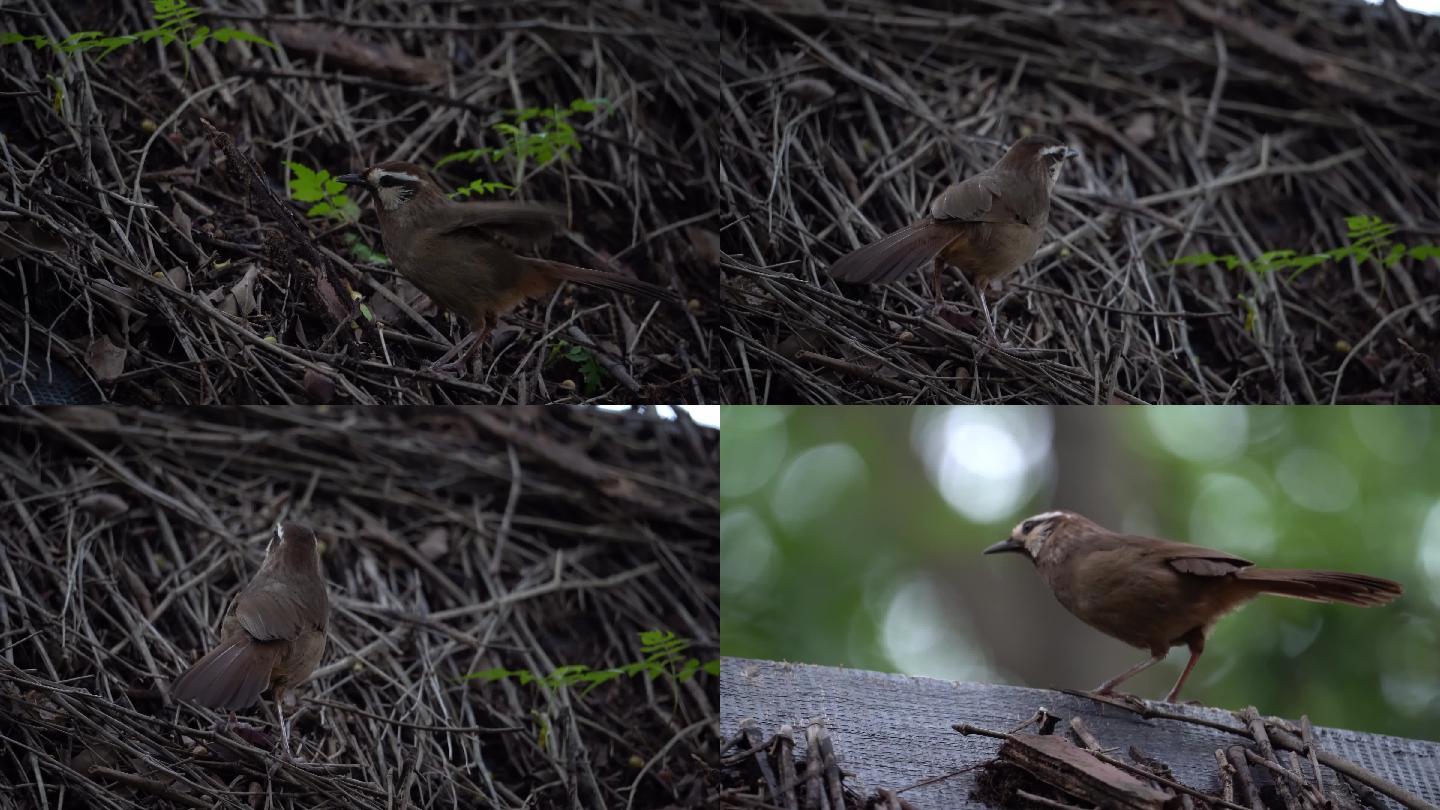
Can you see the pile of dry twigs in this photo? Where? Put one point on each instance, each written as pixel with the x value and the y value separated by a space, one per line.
pixel 171 274
pixel 1203 130
pixel 456 541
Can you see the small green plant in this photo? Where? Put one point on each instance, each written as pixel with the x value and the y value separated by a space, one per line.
pixel 480 187
pixel 541 134
pixel 1369 238
pixel 330 202
pixel 590 369
pixel 664 655
pixel 175 21
pixel 327 193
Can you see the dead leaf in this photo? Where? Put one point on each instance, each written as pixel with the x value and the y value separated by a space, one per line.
pixel 435 545
pixel 104 504
pixel 1141 129
pixel 706 243
pixel 812 90
pixel 241 298
pixel 319 388
pixel 106 359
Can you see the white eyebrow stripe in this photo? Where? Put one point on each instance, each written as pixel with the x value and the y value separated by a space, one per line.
pixel 399 175
pixel 1050 150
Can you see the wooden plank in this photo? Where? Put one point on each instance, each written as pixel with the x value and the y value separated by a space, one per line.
pixel 893 731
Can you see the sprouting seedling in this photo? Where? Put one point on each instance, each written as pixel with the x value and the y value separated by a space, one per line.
pixel 330 202
pixel 175 21
pixel 480 187
pixel 665 655
pixel 327 193
pixel 541 134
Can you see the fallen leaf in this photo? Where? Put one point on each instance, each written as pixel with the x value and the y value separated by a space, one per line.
pixel 103 504
pixel 1141 129
pixel 106 359
pixel 435 545
pixel 241 298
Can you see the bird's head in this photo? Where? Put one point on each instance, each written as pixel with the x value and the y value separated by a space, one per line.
pixel 1040 155
pixel 1031 535
pixel 293 546
pixel 394 183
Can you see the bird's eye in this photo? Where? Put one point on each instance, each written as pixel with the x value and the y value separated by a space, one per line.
pixel 388 181
pixel 1028 526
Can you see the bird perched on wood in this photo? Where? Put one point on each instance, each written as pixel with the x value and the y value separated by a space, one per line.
pixel 1157 594
pixel 465 256
pixel 272 636
pixel 987 225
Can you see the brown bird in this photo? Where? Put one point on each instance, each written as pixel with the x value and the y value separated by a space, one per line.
pixel 987 225
pixel 1157 594
pixel 465 255
pixel 272 636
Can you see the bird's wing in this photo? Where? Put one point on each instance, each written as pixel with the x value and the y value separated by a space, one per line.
pixel 522 221
pixel 270 613
pixel 977 199
pixel 1201 561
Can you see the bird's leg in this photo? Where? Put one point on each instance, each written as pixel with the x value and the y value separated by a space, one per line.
pixel 937 270
pixel 284 726
pixel 1109 686
pixel 979 288
pixel 467 348
pixel 1197 646
pixel 487 325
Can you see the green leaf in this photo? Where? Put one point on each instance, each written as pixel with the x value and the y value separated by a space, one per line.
pixel 306 185
pixel 200 35
pixel 14 37
pixel 320 209
pixel 468 155
pixel 112 44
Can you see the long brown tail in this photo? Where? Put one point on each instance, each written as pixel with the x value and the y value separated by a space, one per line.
pixel 1323 586
pixel 231 676
pixel 896 254
pixel 561 271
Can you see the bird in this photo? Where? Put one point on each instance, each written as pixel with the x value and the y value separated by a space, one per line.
pixel 273 634
pixel 1156 594
pixel 986 225
pixel 466 256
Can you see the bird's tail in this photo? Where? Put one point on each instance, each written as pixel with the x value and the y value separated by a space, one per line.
pixel 896 254
pixel 1322 586
pixel 231 676
pixel 560 271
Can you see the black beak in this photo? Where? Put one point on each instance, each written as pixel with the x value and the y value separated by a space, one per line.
pixel 352 180
pixel 1009 544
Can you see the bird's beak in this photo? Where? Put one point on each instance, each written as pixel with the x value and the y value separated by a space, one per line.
pixel 352 180
pixel 1008 544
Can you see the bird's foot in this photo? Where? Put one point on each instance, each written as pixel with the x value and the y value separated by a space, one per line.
pixel 954 316
pixel 1122 699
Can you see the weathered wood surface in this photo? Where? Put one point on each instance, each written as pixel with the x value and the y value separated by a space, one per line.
pixel 892 731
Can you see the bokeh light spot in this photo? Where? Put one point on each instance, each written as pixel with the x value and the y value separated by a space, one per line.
pixel 1317 480
pixel 1203 433
pixel 983 459
pixel 815 481
pixel 1231 513
pixel 753 442
pixel 747 551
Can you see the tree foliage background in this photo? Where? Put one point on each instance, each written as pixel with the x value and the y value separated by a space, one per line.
pixel 852 537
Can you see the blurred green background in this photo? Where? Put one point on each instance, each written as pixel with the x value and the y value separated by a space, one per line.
pixel 851 536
